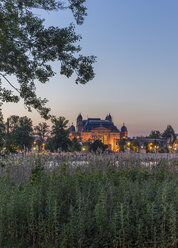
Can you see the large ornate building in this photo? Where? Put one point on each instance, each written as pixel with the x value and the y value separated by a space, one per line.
pixel 94 128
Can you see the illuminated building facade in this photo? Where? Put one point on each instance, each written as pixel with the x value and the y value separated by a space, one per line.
pixel 96 129
pixel 175 145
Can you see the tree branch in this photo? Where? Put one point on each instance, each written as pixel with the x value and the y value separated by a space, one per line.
pixel 10 83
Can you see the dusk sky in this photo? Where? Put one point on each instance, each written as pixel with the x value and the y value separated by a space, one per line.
pixel 136 44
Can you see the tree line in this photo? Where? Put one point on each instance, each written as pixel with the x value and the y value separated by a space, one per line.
pixel 156 144
pixel 19 134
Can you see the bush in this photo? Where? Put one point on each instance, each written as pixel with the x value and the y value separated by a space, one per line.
pixel 93 207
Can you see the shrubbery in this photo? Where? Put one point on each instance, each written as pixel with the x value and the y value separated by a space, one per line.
pixel 93 207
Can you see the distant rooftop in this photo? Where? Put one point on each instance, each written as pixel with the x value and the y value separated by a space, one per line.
pixel 94 119
pixel 98 121
pixel 93 123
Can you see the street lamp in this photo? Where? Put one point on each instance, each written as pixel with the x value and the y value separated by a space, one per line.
pixel 43 145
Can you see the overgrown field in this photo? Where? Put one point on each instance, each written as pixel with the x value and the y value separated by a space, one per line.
pixel 88 201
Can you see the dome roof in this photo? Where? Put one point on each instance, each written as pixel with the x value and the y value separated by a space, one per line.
pixel 72 128
pixel 108 118
pixel 123 128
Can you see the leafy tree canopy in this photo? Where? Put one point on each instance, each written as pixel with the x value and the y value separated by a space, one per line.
pixel 169 134
pixel 59 139
pixel 122 144
pixel 42 130
pixel 19 132
pixel 155 134
pixel 135 146
pixel 27 47
pixel 75 145
pixel 2 131
pixel 97 145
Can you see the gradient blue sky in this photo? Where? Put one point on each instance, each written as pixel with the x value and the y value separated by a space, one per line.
pixel 136 44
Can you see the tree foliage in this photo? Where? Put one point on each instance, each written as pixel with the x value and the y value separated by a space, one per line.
pixel 2 131
pixel 169 134
pixel 135 146
pixel 59 133
pixel 42 130
pixel 155 134
pixel 19 133
pixel 122 145
pixel 27 47
pixel 75 145
pixel 97 145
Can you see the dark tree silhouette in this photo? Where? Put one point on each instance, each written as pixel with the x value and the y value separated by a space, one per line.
pixel 59 139
pixel 27 47
pixel 19 132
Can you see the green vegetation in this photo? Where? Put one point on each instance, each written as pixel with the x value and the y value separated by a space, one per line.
pixel 100 204
pixel 75 145
pixel 122 145
pixel 59 139
pixel 19 133
pixel 97 145
pixel 42 131
pixel 28 49
pixel 155 134
pixel 135 146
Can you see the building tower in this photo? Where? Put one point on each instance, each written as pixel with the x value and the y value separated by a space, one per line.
pixel 71 128
pixel 79 124
pixel 124 132
pixel 108 118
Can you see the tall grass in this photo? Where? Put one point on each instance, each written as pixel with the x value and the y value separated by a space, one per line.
pixel 100 204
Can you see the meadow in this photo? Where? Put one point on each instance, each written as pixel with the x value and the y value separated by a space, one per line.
pixel 89 200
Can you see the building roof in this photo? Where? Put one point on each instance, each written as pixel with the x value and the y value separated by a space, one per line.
pixel 123 128
pixel 71 128
pixel 93 123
